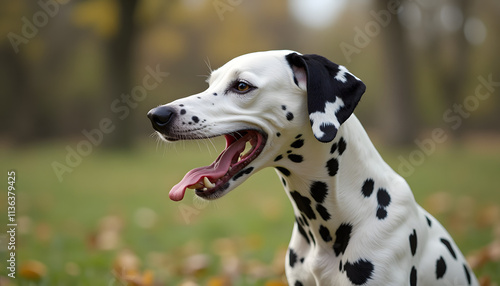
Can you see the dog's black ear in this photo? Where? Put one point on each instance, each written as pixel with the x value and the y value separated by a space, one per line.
pixel 332 92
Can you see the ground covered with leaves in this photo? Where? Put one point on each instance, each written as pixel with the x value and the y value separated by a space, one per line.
pixel 110 222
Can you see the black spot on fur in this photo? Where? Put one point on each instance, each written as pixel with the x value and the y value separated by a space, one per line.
pixel 359 272
pixel 300 220
pixel 215 93
pixel 429 222
pixel 283 181
pixel 333 167
pixel 340 266
pixel 467 274
pixel 305 219
pixel 298 136
pixel 296 158
pixel 440 268
pixel 323 212
pixel 246 171
pixel 278 134
pixel 289 116
pixel 328 130
pixel 298 143
pixel 283 107
pixel 318 191
pixel 383 197
pixel 303 232
pixel 195 119
pixel 367 188
pixel 292 256
pixel 325 233
pixel 298 283
pixel 303 204
pixel 342 237
pixel 413 276
pixel 450 249
pixel 183 111
pixel 279 157
pixel 413 242
pixel 381 213
pixel 284 171
pixel 312 237
pixel 342 145
pixel 289 152
pixel 302 260
pixel 181 105
pixel 334 148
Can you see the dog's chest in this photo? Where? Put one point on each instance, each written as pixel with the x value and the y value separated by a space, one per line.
pixel 331 212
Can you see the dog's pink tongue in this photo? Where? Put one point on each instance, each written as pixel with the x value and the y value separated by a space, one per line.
pixel 216 170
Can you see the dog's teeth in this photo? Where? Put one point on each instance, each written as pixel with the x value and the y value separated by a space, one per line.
pixel 196 186
pixel 207 183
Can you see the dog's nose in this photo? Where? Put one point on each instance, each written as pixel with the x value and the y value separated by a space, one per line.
pixel 160 117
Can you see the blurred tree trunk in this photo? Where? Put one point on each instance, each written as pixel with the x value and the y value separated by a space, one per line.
pixel 120 75
pixel 399 116
pixel 24 116
pixel 22 102
pixel 494 124
pixel 451 66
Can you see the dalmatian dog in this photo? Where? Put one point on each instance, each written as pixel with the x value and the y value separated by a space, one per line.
pixel 356 220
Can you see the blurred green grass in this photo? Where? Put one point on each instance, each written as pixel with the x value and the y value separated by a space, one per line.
pixel 60 222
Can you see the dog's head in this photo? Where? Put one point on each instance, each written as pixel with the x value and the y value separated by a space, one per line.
pixel 260 99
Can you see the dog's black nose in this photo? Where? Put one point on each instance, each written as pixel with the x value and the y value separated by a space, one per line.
pixel 161 117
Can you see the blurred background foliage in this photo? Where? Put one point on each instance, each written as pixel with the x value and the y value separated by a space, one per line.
pixel 65 65
pixel 416 64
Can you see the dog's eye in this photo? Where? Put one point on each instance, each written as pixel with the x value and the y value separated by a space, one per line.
pixel 242 87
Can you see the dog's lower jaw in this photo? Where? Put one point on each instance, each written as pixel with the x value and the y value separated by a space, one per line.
pixel 235 161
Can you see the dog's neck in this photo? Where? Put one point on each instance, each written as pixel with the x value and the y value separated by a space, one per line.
pixel 337 166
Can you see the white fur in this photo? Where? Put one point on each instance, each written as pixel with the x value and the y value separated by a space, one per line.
pixel 322 118
pixel 341 75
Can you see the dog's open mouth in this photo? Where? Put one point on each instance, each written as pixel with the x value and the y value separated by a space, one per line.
pixel 210 180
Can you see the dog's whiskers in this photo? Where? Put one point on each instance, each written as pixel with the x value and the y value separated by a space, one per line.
pixel 208 146
pixel 157 138
pixel 209 65
pixel 199 147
